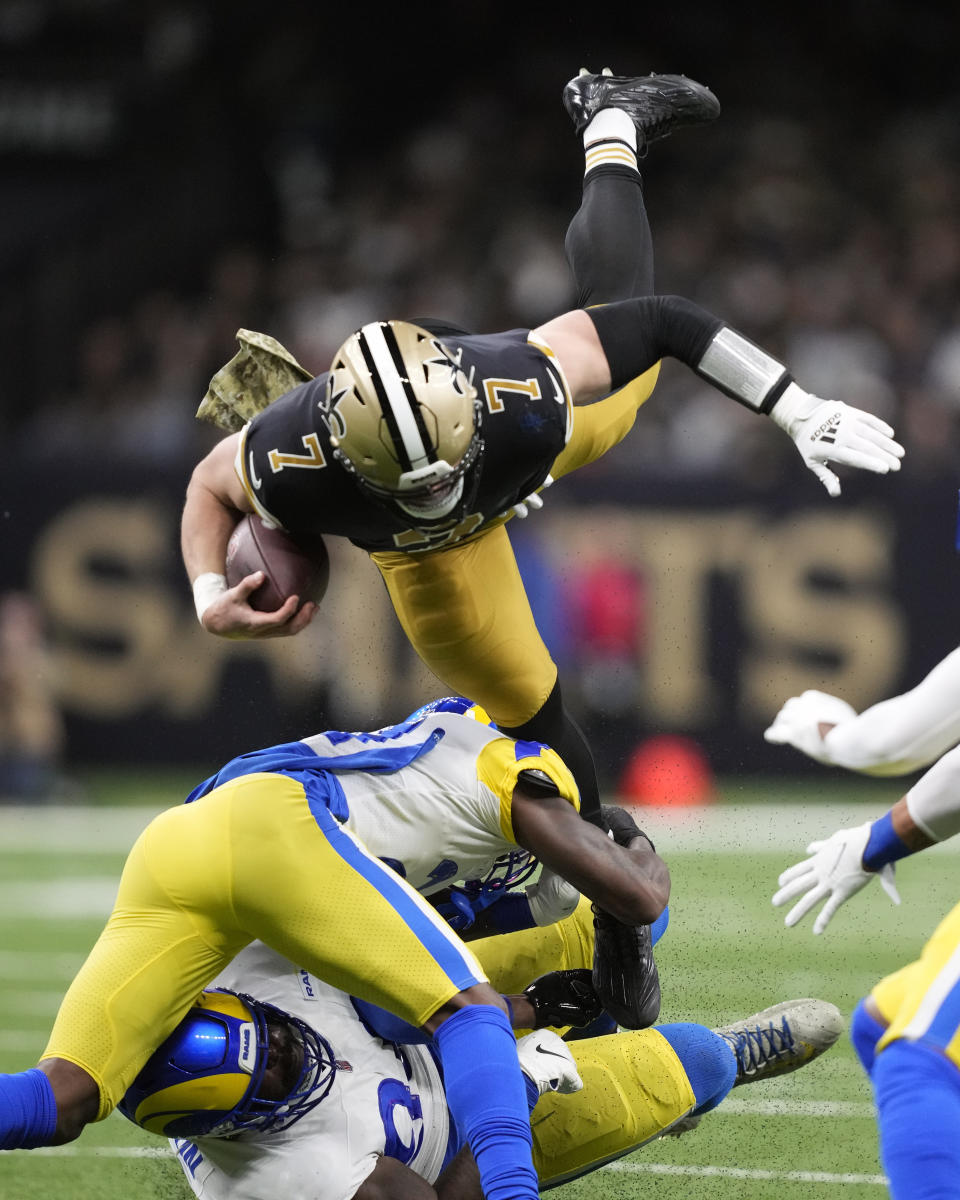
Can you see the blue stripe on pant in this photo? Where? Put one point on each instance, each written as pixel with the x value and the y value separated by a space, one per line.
pixel 439 943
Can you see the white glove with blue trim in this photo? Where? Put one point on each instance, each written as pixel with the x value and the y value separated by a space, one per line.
pixel 835 872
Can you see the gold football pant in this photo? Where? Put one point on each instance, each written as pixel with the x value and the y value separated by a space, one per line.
pixel 253 859
pixel 921 1002
pixel 464 607
pixel 634 1085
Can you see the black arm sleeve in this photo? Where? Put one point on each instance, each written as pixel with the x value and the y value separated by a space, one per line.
pixel 637 333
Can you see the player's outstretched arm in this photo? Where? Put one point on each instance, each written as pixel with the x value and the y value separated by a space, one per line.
pixel 214 504
pixel 602 349
pixel 893 737
pixel 847 860
pixel 836 870
pixel 631 883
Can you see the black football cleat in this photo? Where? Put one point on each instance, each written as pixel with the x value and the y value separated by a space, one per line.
pixel 625 976
pixel 658 104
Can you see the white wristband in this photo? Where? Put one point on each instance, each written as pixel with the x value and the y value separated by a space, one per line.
pixel 793 407
pixel 206 588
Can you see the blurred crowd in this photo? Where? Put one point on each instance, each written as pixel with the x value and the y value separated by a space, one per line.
pixel 839 254
pixel 180 170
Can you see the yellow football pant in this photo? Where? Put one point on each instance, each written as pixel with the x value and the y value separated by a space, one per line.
pixel 922 1001
pixel 634 1085
pixel 249 860
pixel 464 607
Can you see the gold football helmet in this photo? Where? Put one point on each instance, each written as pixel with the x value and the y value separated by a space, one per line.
pixel 404 419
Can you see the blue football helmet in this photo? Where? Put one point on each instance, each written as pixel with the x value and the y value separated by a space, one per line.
pixel 509 871
pixel 451 704
pixel 465 901
pixel 205 1079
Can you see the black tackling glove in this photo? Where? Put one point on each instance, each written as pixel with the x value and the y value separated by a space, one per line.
pixel 563 998
pixel 623 827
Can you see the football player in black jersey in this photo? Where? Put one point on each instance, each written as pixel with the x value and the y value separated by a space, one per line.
pixel 421 441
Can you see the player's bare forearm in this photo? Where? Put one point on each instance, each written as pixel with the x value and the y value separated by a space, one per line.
pixel 906 829
pixel 214 502
pixel 632 883
pixel 522 1012
pixel 391 1180
pixel 461 1179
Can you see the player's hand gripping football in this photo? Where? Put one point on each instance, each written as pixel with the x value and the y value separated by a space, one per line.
pixel 833 873
pixel 230 614
pixel 799 721
pixel 829 431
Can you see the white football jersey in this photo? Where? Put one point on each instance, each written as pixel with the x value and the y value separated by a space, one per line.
pixel 447 815
pixel 384 1101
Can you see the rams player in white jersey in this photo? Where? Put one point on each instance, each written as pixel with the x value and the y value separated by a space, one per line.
pixel 333 1107
pixel 907 1031
pixel 286 845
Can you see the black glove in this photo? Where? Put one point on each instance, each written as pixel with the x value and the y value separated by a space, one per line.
pixel 563 998
pixel 623 827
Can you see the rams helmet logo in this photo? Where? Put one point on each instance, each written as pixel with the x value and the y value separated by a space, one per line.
pixel 232 1064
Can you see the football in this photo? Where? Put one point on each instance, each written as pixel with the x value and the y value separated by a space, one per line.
pixel 291 568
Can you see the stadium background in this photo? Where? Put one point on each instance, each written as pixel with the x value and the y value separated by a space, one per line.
pixel 173 171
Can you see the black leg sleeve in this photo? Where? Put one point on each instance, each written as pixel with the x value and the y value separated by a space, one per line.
pixel 609 245
pixel 554 726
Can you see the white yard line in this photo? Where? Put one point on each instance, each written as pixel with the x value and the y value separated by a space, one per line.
pixel 632 1168
pixel 78 898
pixel 100 1152
pixel 638 1168
pixel 723 828
pixel 796 1108
pixel 20 1040
pixel 35 964
pixel 37 1003
pixel 73 829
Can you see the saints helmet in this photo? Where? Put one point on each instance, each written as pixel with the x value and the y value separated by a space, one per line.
pixel 206 1079
pixel 404 420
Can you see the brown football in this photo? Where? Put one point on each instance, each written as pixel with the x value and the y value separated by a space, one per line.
pixel 290 567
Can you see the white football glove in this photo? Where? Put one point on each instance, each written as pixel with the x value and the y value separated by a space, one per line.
pixel 551 898
pixel 797 722
pixel 831 431
pixel 835 872
pixel 546 1059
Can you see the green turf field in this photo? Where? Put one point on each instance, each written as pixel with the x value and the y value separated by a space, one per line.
pixel 726 954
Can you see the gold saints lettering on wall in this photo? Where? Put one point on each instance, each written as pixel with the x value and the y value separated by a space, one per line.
pixel 794 633
pixel 126 641
pixel 812 591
